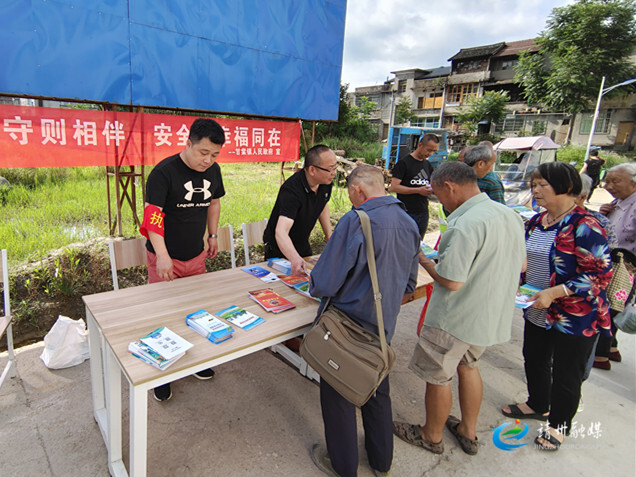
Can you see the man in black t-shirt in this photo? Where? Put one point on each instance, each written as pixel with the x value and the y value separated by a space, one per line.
pixel 410 180
pixel 592 168
pixel 302 200
pixel 182 199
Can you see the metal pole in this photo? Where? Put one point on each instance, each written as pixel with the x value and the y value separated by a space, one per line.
pixel 593 128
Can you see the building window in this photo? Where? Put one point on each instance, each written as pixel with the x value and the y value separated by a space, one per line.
pixel 515 123
pixel 602 124
pixel 430 123
pixel 508 64
pixel 402 86
pixel 430 100
pixel 459 93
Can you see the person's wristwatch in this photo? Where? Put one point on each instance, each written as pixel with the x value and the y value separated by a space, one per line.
pixel 213 236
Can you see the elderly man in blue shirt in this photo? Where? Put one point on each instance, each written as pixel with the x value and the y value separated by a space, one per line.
pixel 342 274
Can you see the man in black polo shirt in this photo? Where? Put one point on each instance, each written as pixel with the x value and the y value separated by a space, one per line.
pixel 410 178
pixel 302 199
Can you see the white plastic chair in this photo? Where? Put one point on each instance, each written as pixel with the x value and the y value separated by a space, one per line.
pixel 6 325
pixel 252 234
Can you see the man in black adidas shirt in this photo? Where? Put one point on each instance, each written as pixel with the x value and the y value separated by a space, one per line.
pixel 302 200
pixel 410 180
pixel 182 199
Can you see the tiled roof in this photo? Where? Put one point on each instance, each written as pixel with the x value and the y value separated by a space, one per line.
pixel 513 48
pixel 437 72
pixel 478 51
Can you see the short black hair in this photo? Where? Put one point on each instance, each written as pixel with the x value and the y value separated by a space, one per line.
pixel 428 138
pixel 312 158
pixel 561 176
pixel 454 171
pixel 205 127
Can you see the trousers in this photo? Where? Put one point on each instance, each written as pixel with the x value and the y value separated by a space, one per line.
pixel 341 432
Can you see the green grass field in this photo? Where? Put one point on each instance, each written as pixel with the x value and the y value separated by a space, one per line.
pixel 47 209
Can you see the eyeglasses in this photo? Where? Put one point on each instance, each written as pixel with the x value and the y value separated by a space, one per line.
pixel 330 170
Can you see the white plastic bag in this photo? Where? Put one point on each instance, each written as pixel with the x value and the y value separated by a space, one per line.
pixel 66 344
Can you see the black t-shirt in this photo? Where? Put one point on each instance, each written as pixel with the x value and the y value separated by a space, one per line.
pixel 413 173
pixel 594 168
pixel 298 202
pixel 184 195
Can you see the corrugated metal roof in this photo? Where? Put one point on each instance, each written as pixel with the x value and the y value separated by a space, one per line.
pixel 478 51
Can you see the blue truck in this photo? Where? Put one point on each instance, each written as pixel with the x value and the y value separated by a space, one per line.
pixel 404 140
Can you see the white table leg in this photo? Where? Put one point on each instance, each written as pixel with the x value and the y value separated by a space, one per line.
pixel 95 342
pixel 138 430
pixel 114 414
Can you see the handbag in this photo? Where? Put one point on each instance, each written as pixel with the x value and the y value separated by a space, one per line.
pixel 351 359
pixel 622 281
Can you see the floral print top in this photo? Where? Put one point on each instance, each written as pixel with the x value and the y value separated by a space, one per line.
pixel 580 259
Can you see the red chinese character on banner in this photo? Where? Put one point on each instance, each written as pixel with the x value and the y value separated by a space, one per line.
pixel 18 126
pixel 53 131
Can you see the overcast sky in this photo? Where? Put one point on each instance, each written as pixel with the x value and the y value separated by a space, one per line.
pixel 389 35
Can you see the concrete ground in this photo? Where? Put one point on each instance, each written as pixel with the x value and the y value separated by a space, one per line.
pixel 260 417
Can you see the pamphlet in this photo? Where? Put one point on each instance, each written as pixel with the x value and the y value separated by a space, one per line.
pixel 270 300
pixel 525 212
pixel 299 284
pixel 427 250
pixel 148 356
pixel 166 343
pixel 209 326
pixel 280 264
pixel 260 272
pixel 240 317
pixel 524 294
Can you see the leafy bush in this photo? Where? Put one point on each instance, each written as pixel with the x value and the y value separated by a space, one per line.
pixel 355 148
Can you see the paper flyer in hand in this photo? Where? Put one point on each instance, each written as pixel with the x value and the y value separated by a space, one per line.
pixel 260 272
pixel 209 326
pixel 270 300
pixel 166 343
pixel 427 250
pixel 240 317
pixel 525 212
pixel 524 294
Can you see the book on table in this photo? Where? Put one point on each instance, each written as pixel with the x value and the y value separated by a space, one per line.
pixel 160 348
pixel 260 272
pixel 270 300
pixel 209 326
pixel 240 317
pixel 522 300
pixel 280 264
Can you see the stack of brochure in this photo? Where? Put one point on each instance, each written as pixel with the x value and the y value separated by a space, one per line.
pixel 270 300
pixel 209 326
pixel 160 348
pixel 523 296
pixel 260 272
pixel 240 317
pixel 300 284
pixel 280 264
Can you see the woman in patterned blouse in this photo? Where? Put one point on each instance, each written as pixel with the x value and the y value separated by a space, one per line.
pixel 569 260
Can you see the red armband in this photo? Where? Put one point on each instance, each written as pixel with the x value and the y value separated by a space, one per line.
pixel 153 221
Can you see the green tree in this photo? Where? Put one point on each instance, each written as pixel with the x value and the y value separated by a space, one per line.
pixel 489 107
pixel 366 107
pixel 403 111
pixel 582 43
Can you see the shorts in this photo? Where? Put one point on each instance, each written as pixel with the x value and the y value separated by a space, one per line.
pixel 181 268
pixel 438 354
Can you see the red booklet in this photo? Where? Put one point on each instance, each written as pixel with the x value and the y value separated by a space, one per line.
pixel 270 300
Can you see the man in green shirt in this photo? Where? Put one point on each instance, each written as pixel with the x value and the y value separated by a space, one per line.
pixel 481 255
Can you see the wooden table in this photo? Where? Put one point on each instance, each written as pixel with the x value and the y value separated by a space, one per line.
pixel 118 317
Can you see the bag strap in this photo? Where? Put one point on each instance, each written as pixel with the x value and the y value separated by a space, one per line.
pixel 377 296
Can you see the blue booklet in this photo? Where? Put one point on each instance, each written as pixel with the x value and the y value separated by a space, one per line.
pixel 209 326
pixel 240 317
pixel 260 272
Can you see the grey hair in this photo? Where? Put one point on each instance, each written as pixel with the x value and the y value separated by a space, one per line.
pixel 456 172
pixel 366 174
pixel 628 168
pixel 586 185
pixel 478 153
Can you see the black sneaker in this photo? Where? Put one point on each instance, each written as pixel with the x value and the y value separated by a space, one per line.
pixel 205 374
pixel 163 392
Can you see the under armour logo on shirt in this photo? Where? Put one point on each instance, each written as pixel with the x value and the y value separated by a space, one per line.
pixel 191 190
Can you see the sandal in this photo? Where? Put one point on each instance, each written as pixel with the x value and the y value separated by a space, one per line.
pixel 517 413
pixel 469 446
pixel 411 433
pixel 551 439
